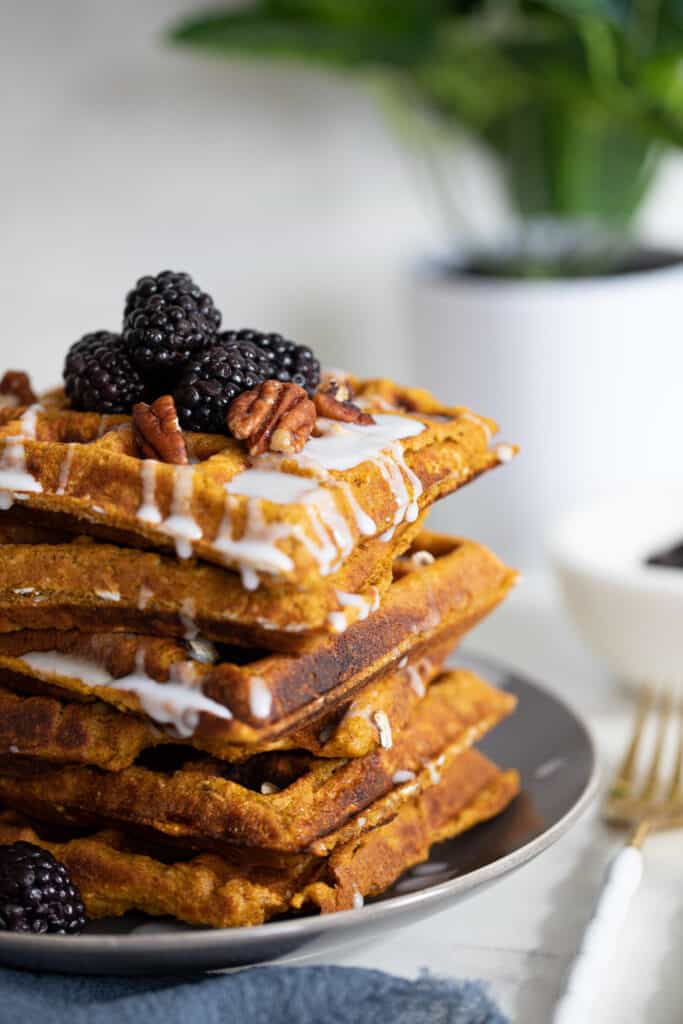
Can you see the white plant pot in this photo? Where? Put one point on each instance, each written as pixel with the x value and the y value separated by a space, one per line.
pixel 586 375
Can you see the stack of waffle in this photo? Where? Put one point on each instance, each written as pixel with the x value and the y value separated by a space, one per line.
pixel 222 692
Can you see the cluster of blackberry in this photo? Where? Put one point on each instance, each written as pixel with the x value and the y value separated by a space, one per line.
pixel 36 892
pixel 170 342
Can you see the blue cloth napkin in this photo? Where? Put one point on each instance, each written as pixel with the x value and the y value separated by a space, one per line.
pixel 263 995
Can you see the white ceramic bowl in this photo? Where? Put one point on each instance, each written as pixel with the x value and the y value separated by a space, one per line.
pixel 630 613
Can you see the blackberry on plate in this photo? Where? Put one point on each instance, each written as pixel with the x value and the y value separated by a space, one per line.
pixel 288 361
pixel 214 379
pixel 168 319
pixel 36 892
pixel 99 376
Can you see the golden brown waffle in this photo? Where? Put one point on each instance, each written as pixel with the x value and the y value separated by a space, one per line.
pixel 253 697
pixel 66 732
pixel 91 587
pixel 284 802
pixel 117 873
pixel 81 472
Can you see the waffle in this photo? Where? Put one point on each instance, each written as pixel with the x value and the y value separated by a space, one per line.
pixel 272 518
pixel 252 697
pixel 286 802
pixel 79 732
pixel 117 873
pixel 92 586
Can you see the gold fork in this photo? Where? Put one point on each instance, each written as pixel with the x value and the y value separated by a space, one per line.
pixel 643 804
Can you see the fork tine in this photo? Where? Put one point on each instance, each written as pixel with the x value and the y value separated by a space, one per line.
pixel 649 789
pixel 676 789
pixel 621 786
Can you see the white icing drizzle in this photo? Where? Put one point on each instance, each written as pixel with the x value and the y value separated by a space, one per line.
pixel 337 622
pixel 256 550
pixel 108 595
pixel 365 523
pixel 178 703
pixel 186 616
pixel 363 605
pixel 180 524
pixel 352 445
pixel 269 788
pixel 333 540
pixel 13 473
pixel 421 558
pixel 271 485
pixel 403 662
pixel 433 772
pixel 56 663
pixel 361 822
pixel 505 452
pixel 148 511
pixel 331 519
pixel 415 681
pixel 403 775
pixel 384 729
pixel 358 901
pixel 144 595
pixel 341 447
pixel 260 698
pixel 172 704
pixel 23 590
pixel 29 422
pixel 65 469
pixel 412 509
pixel 186 673
pixel 322 548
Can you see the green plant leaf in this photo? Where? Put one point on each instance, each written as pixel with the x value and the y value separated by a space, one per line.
pixel 322 32
pixel 576 97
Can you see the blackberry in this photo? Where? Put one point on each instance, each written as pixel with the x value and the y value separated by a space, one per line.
pixel 288 360
pixel 214 379
pixel 99 376
pixel 36 892
pixel 168 319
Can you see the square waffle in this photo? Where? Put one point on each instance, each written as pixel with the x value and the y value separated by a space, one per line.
pixel 284 802
pixel 91 586
pixel 49 729
pixel 117 872
pixel 249 697
pixel 271 518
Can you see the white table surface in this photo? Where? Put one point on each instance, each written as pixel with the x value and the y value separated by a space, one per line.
pixel 519 935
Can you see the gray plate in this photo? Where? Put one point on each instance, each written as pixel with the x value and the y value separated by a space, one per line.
pixel 544 740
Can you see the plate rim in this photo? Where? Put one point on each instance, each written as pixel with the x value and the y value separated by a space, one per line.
pixel 254 935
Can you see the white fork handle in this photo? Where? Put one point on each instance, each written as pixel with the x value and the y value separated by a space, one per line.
pixel 586 974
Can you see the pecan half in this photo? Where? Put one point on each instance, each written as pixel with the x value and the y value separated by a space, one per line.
pixel 157 431
pixel 17 384
pixel 334 404
pixel 275 416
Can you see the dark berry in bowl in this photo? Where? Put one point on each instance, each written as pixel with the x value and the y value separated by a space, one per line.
pixel 37 894
pixel 99 375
